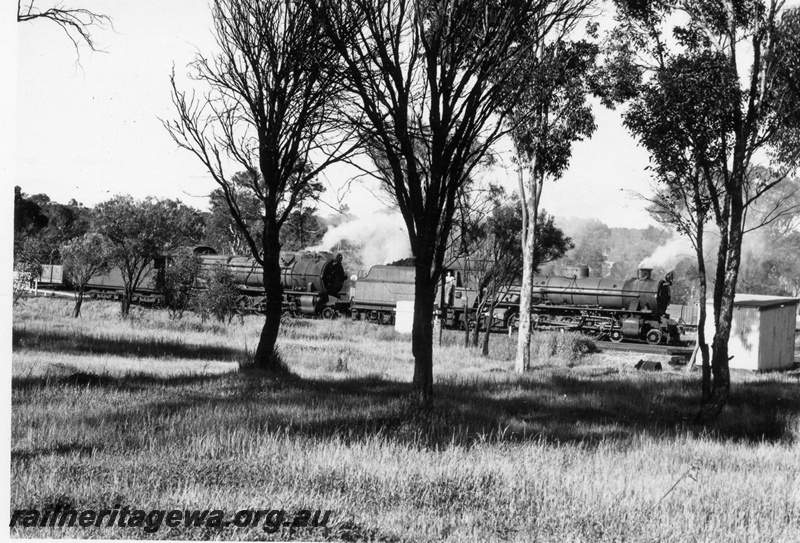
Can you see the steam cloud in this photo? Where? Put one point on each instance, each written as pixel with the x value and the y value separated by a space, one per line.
pixel 668 255
pixel 679 247
pixel 381 236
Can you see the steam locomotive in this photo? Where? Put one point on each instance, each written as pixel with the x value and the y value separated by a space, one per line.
pixel 633 309
pixel 312 281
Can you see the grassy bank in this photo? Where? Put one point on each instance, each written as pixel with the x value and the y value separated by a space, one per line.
pixel 154 414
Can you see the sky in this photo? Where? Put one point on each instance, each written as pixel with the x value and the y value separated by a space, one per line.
pixel 89 127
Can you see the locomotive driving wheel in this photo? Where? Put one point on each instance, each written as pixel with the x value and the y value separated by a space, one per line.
pixel 243 304
pixel 594 333
pixel 615 336
pixel 654 337
pixel 513 321
pixel 477 324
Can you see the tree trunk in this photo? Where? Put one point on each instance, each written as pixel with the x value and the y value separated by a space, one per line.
pixel 478 314
pixel 485 346
pixel 723 311
pixel 76 312
pixel 702 342
pixel 125 304
pixel 701 321
pixel 422 332
pixel 530 207
pixel 439 330
pixel 492 301
pixel 465 321
pixel 265 357
pixel 720 366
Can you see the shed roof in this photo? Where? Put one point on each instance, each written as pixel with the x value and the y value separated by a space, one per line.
pixel 763 302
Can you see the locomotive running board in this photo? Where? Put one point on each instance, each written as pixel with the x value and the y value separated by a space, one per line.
pixel 587 308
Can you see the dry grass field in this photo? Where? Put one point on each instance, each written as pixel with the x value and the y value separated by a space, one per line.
pixel 155 414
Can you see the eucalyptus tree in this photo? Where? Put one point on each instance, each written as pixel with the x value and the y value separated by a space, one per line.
pixel 676 116
pixel 557 76
pixel 273 94
pixel 430 79
pixel 140 231
pixel 84 258
pixel 715 81
pixel 29 220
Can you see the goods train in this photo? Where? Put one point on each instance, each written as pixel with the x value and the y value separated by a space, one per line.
pixel 315 285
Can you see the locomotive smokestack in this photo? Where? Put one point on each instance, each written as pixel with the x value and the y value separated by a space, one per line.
pixel 643 274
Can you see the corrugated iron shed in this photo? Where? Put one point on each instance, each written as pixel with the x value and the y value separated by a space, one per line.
pixel 762 332
pixel 763 301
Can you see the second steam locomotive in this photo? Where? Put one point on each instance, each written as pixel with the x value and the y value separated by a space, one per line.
pixel 618 309
pixel 605 308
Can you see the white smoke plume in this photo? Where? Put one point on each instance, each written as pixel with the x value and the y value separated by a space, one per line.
pixel 668 255
pixel 381 238
pixel 679 247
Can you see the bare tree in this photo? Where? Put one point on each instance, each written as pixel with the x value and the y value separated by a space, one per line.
pixel 502 265
pixel 270 109
pixel 430 77
pixel 468 240
pixel 75 22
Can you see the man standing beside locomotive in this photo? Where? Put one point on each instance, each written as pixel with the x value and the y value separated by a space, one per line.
pixel 449 288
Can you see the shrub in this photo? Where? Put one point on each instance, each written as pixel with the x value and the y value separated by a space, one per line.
pixel 220 296
pixel 180 278
pixel 559 348
pixel 24 274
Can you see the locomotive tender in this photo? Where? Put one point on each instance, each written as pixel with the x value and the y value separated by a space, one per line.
pixel 376 295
